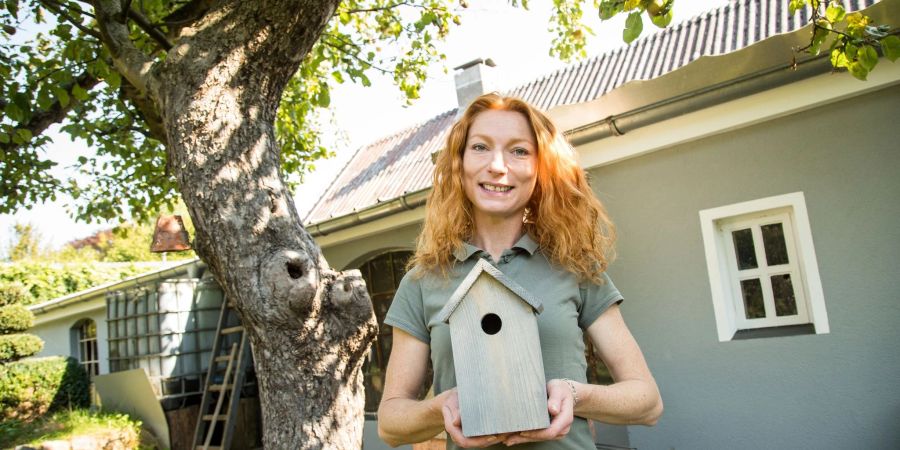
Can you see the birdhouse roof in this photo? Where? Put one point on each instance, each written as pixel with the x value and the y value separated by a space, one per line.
pixel 482 266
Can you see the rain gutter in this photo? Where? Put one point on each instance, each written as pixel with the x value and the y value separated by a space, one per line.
pixel 92 293
pixel 696 100
pixel 405 202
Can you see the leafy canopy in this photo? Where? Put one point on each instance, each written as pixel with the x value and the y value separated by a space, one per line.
pixel 63 74
pixel 54 70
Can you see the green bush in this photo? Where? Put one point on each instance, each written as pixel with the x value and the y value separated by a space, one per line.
pixel 15 318
pixel 34 387
pixel 18 346
pixel 14 293
pixel 45 282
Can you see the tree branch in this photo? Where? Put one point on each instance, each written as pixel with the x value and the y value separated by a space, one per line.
pixel 56 8
pixel 186 15
pixel 133 64
pixel 148 28
pixel 56 112
pixel 380 8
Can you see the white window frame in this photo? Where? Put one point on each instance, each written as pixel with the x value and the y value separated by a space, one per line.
pixel 716 225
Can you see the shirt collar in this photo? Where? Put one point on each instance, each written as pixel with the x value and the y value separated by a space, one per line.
pixel 467 250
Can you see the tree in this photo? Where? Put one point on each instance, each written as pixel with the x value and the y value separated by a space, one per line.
pixel 25 243
pixel 216 98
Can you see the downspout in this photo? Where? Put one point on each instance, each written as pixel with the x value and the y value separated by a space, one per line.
pixel 697 99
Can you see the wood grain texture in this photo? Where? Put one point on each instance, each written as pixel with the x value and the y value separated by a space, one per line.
pixel 500 377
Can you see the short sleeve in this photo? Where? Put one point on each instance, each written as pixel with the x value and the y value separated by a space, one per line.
pixel 596 299
pixel 407 310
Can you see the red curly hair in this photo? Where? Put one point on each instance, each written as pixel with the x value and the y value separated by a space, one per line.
pixel 565 218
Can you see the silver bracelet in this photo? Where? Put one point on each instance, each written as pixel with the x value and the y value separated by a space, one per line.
pixel 574 392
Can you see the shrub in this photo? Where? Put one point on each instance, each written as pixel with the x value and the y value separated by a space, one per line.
pixel 15 318
pixel 17 346
pixel 14 293
pixel 34 387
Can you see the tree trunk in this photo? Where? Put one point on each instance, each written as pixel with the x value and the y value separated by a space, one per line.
pixel 309 327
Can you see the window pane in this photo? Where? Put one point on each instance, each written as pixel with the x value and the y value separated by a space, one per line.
pixel 773 241
pixel 783 290
pixel 743 248
pixel 381 278
pixel 753 299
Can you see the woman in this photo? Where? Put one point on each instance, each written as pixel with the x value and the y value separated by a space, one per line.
pixel 507 188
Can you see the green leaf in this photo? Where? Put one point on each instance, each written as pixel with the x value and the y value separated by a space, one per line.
pixel 634 25
pixel 835 12
pixel 839 58
pixel 819 37
pixel 890 46
pixel 867 56
pixel 662 20
pixel 795 6
pixel 14 112
pixel 4 138
pixel 609 8
pixel 79 93
pixel 61 95
pixel 858 71
pixel 24 134
pixel 114 80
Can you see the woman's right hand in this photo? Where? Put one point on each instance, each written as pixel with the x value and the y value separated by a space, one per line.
pixel 453 424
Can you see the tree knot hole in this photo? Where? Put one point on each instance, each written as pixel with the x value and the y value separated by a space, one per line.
pixel 491 323
pixel 347 286
pixel 294 269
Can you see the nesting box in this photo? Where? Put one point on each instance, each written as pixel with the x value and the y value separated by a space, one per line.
pixel 497 354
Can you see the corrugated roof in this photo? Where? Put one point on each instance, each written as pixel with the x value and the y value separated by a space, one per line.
pixel 401 163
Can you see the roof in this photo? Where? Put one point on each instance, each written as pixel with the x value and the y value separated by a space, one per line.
pixel 91 293
pixel 482 267
pixel 394 166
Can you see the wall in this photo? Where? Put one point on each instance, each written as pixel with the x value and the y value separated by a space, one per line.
pixel 836 390
pixel 58 338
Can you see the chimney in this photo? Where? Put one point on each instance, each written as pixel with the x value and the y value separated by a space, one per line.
pixel 473 78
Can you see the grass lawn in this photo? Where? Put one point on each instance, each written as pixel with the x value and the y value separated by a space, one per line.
pixel 65 425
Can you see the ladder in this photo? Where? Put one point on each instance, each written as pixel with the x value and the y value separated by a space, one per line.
pixel 224 379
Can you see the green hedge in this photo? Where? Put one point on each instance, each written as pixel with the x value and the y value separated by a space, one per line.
pixel 34 387
pixel 14 293
pixel 17 346
pixel 15 318
pixel 48 281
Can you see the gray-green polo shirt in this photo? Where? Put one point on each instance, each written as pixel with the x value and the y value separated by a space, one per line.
pixel 569 308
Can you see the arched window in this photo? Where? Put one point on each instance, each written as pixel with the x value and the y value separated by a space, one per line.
pixel 85 340
pixel 382 274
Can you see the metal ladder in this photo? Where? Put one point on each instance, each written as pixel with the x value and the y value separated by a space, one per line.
pixel 224 380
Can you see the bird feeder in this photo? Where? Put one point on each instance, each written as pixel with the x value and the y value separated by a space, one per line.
pixel 170 235
pixel 496 353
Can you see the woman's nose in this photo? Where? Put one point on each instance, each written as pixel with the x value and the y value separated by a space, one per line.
pixel 498 162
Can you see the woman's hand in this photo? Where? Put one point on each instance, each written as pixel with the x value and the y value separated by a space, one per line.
pixel 561 405
pixel 453 424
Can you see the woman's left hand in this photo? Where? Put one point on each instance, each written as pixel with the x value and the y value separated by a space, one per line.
pixel 560 403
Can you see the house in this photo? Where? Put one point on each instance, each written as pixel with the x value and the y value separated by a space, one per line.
pixel 756 207
pixel 712 155
pixel 497 349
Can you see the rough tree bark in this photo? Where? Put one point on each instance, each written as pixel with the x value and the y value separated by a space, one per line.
pixel 217 93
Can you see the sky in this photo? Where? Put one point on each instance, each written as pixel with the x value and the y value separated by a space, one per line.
pixel 516 39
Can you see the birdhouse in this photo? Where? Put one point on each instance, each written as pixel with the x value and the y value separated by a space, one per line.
pixel 496 353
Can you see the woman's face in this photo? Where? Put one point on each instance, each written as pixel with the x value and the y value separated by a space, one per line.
pixel 499 164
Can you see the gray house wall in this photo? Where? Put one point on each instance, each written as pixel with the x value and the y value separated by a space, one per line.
pixel 60 339
pixel 836 390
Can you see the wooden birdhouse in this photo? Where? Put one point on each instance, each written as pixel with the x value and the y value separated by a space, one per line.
pixel 496 353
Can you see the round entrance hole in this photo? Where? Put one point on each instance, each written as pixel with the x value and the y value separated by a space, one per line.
pixel 491 323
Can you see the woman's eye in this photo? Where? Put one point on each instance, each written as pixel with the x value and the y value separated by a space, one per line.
pixel 479 147
pixel 519 151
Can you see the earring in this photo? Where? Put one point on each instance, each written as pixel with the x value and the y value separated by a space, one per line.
pixel 526 216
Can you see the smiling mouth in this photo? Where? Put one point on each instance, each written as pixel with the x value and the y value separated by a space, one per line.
pixel 495 188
